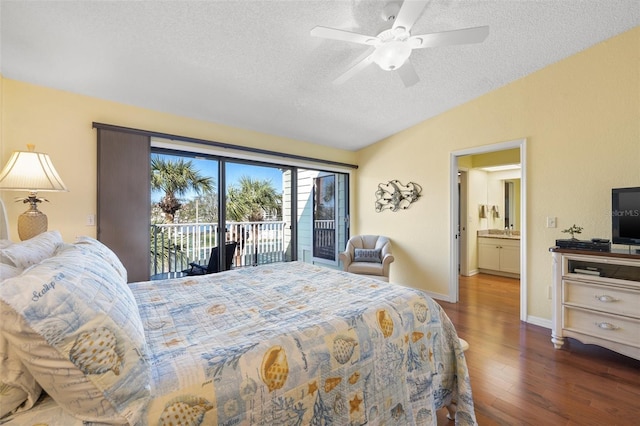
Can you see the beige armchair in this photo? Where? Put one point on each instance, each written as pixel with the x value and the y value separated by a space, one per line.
pixel 368 255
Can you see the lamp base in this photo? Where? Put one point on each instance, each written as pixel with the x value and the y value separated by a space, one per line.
pixel 31 223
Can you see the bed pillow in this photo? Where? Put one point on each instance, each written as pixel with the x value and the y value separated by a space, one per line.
pixel 65 307
pixel 367 255
pixel 18 389
pixel 3 259
pixel 8 271
pixel 104 252
pixel 32 251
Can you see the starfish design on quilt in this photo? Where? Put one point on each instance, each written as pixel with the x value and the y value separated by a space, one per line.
pixel 313 387
pixel 354 404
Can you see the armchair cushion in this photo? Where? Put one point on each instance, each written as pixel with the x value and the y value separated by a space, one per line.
pixel 367 255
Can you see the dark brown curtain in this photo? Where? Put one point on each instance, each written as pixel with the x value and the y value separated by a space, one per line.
pixel 124 198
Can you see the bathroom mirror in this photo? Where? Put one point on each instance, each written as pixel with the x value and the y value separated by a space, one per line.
pixel 512 203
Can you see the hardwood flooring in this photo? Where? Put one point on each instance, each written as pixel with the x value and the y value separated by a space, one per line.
pixel 517 376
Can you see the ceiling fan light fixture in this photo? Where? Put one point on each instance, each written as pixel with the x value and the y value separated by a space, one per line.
pixel 393 46
pixel 391 55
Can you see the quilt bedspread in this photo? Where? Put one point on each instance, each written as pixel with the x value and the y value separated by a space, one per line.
pixel 298 344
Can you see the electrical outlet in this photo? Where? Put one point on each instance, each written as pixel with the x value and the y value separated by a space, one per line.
pixel 551 222
pixel 91 220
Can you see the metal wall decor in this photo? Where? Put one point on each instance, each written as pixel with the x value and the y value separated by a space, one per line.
pixel 395 196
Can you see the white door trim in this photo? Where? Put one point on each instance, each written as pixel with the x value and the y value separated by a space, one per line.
pixel 453 220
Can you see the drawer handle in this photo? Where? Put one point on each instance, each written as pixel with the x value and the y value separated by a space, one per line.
pixel 606 299
pixel 607 326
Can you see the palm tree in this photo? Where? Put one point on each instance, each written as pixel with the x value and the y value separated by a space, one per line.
pixel 175 178
pixel 251 199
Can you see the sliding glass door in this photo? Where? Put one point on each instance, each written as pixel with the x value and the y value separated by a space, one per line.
pixel 254 213
pixel 184 212
pixel 200 203
pixel 268 213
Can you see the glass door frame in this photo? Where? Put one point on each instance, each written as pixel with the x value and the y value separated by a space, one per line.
pixel 195 149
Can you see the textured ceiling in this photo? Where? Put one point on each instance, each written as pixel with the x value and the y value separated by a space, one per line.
pixel 253 64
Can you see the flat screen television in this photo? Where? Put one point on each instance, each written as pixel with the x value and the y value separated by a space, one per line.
pixel 625 216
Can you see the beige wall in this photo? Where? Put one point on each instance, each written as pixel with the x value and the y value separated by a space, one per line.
pixel 60 124
pixel 581 119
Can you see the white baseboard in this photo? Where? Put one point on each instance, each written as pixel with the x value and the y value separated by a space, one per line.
pixel 438 296
pixel 542 322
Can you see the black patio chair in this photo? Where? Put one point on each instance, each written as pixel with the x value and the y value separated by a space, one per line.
pixel 213 266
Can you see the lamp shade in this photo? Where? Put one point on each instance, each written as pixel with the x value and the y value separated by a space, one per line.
pixel 30 171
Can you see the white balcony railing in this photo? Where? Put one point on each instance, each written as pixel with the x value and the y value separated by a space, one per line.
pixel 174 246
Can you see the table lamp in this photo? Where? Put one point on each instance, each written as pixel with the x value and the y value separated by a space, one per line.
pixel 31 171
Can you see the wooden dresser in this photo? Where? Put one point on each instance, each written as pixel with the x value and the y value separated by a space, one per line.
pixel 596 299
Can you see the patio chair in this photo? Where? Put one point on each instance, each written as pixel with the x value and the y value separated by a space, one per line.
pixel 213 266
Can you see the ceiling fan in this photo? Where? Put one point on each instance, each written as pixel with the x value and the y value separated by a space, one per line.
pixel 394 46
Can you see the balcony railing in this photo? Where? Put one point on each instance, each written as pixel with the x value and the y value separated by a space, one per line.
pixel 324 239
pixel 174 246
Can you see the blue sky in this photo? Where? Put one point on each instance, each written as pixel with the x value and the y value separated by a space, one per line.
pixel 234 172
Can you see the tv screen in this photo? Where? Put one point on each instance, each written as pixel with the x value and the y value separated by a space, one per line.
pixel 625 216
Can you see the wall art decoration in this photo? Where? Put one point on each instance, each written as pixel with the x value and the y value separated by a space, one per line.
pixel 395 196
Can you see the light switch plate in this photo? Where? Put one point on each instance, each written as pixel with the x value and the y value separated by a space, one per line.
pixel 551 222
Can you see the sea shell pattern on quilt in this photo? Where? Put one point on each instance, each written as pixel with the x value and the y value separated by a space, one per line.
pixel 185 410
pixel 331 383
pixel 385 322
pixel 343 347
pixel 416 335
pixel 421 311
pixel 275 368
pixel 96 352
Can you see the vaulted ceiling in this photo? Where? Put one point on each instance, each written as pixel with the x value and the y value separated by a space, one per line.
pixel 253 64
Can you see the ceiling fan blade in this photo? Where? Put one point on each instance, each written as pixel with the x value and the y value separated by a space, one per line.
pixel 448 38
pixel 409 13
pixel 408 74
pixel 342 35
pixel 354 70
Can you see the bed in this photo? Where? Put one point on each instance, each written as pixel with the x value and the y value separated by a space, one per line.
pixel 280 344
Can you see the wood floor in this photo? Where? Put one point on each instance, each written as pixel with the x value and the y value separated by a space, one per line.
pixel 518 378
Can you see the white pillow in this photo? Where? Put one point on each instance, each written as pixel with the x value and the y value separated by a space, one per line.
pixel 62 306
pixel 104 252
pixel 4 244
pixel 8 271
pixel 32 251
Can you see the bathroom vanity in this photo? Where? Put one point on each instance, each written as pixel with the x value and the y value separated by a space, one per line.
pixel 499 253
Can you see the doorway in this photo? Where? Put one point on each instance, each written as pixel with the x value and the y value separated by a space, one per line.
pixel 459 186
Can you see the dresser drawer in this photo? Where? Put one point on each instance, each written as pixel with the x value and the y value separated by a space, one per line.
pixel 601 297
pixel 610 327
